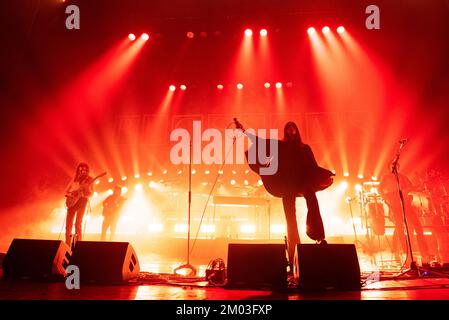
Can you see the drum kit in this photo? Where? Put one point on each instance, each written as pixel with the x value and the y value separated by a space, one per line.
pixel 434 198
pixel 430 200
pixel 372 208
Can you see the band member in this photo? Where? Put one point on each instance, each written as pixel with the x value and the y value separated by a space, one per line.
pixel 388 188
pixel 439 209
pixel 436 190
pixel 111 212
pixel 78 192
pixel 298 174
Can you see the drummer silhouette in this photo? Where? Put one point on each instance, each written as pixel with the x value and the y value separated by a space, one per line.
pixel 388 188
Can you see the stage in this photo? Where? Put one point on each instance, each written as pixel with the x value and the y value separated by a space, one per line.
pixel 381 279
pixel 280 150
pixel 403 289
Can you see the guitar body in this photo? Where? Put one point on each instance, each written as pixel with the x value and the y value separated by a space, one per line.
pixel 111 208
pixel 73 197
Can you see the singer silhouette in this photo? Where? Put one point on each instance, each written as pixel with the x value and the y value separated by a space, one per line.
pixel 298 175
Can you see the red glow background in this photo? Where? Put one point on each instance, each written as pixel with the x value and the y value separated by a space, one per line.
pixel 64 92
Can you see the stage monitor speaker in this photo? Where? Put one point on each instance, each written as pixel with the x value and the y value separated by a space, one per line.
pixel 105 262
pixel 257 266
pixel 36 259
pixel 327 267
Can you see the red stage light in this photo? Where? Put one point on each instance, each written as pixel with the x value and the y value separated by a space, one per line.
pixel 220 87
pixel 145 36
pixel 248 33
pixel 132 36
pixel 172 88
pixel 278 85
pixel 325 30
pixel 340 29
pixel 311 31
pixel 239 86
pixel 263 32
pixel 190 35
pixel 267 85
pixel 183 87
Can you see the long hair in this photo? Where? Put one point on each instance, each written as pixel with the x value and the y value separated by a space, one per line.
pixel 296 137
pixel 82 164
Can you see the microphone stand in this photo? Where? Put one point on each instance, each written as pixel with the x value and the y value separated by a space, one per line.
pixel 394 169
pixel 413 268
pixel 187 265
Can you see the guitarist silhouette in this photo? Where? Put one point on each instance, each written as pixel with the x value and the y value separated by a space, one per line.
pixel 298 174
pixel 78 192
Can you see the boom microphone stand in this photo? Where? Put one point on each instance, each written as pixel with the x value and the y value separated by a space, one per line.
pixel 394 169
pixel 413 268
pixel 187 265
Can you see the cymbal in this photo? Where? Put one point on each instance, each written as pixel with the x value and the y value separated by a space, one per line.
pixel 419 194
pixel 371 183
pixel 372 195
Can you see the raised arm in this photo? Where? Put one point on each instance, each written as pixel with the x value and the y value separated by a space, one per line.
pixel 251 135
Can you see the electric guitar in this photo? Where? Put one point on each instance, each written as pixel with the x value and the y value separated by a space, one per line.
pixel 73 196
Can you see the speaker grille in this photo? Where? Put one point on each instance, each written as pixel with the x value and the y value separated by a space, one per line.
pixel 37 259
pixel 108 262
pixel 256 266
pixel 328 267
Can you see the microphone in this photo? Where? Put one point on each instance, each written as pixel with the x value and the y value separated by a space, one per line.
pixel 238 124
pixel 403 141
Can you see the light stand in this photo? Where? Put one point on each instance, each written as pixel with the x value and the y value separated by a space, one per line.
pixel 357 243
pixel 368 248
pixel 187 265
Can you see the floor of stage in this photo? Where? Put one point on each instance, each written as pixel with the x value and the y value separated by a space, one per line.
pixel 404 289
pixel 164 286
pixel 158 282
